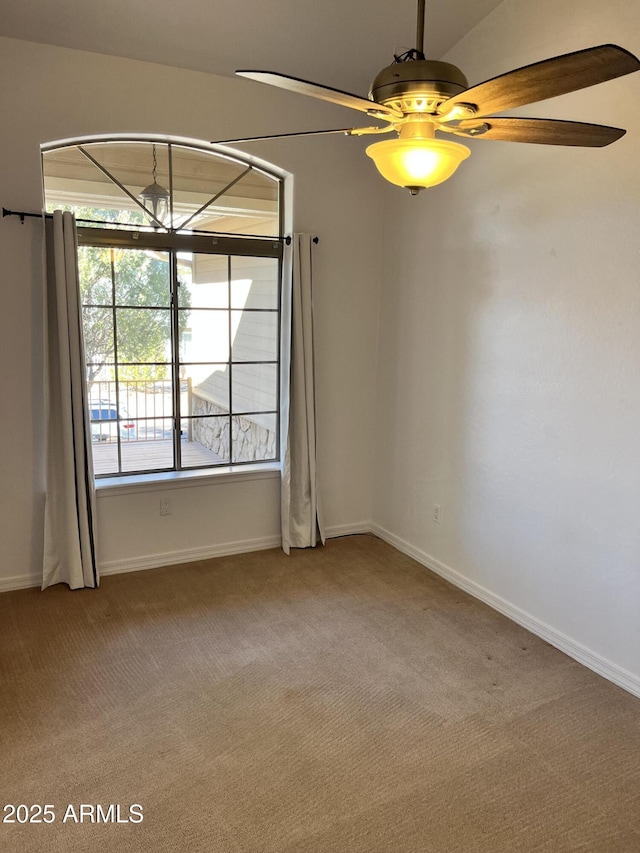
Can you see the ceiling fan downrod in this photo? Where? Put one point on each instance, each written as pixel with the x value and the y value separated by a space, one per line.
pixel 420 31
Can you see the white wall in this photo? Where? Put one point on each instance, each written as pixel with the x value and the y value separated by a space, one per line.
pixel 52 93
pixel 510 355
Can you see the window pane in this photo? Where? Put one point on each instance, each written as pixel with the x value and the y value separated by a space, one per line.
pixel 103 416
pixel 205 391
pixel 198 177
pixel 141 277
pixel 144 337
pixel 250 206
pixel 147 398
pixel 105 459
pixel 254 283
pixel 130 166
pixel 204 335
pixel 147 455
pixel 254 438
pixel 255 335
pixel 98 341
pixel 73 182
pixel 204 280
pixel 154 429
pixel 103 389
pixel 205 441
pixel 254 387
pixel 94 269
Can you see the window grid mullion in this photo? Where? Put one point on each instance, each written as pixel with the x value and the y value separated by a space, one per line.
pixel 229 315
pixel 279 333
pixel 115 356
pixel 175 367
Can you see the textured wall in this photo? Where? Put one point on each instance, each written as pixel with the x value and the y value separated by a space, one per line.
pixel 509 350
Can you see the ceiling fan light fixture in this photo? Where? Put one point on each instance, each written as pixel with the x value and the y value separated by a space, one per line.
pixel 417 163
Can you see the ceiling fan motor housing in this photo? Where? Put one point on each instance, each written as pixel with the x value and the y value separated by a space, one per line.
pixel 417 86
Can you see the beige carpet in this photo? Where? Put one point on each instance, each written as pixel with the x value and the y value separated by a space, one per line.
pixel 342 699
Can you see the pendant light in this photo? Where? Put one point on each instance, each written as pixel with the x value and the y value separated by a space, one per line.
pixel 155 198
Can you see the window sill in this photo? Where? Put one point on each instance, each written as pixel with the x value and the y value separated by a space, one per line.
pixel 169 480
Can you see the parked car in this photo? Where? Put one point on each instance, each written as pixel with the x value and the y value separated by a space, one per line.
pixel 106 421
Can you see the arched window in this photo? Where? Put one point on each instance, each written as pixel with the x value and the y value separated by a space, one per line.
pixel 180 252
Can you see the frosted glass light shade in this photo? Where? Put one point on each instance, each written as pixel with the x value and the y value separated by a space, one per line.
pixel 156 199
pixel 417 163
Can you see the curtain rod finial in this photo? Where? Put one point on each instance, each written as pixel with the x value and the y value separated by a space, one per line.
pixel 7 212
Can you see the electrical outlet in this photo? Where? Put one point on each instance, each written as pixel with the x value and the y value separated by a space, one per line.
pixel 436 513
pixel 165 506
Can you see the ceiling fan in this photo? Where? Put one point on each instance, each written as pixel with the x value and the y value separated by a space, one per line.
pixel 416 97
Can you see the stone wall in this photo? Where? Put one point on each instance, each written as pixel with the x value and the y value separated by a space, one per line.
pixel 251 441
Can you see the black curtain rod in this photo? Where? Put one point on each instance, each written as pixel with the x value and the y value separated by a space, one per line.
pixel 315 240
pixel 22 214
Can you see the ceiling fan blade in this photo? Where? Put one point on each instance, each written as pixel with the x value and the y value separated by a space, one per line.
pixel 347 131
pixel 544 131
pixel 546 79
pixel 324 93
pixel 344 130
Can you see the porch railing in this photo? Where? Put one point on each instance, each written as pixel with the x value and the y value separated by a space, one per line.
pixel 145 403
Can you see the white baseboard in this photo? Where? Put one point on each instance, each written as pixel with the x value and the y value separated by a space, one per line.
pixel 155 561
pixel 606 668
pixel 20 582
pixel 188 555
pixel 347 529
pixel 226 549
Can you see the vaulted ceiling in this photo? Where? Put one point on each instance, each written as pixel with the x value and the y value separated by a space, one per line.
pixel 342 43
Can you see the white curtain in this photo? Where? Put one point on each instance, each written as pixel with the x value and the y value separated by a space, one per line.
pixel 300 506
pixel 69 530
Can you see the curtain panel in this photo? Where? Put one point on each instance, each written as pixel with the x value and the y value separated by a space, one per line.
pixel 69 523
pixel 300 505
